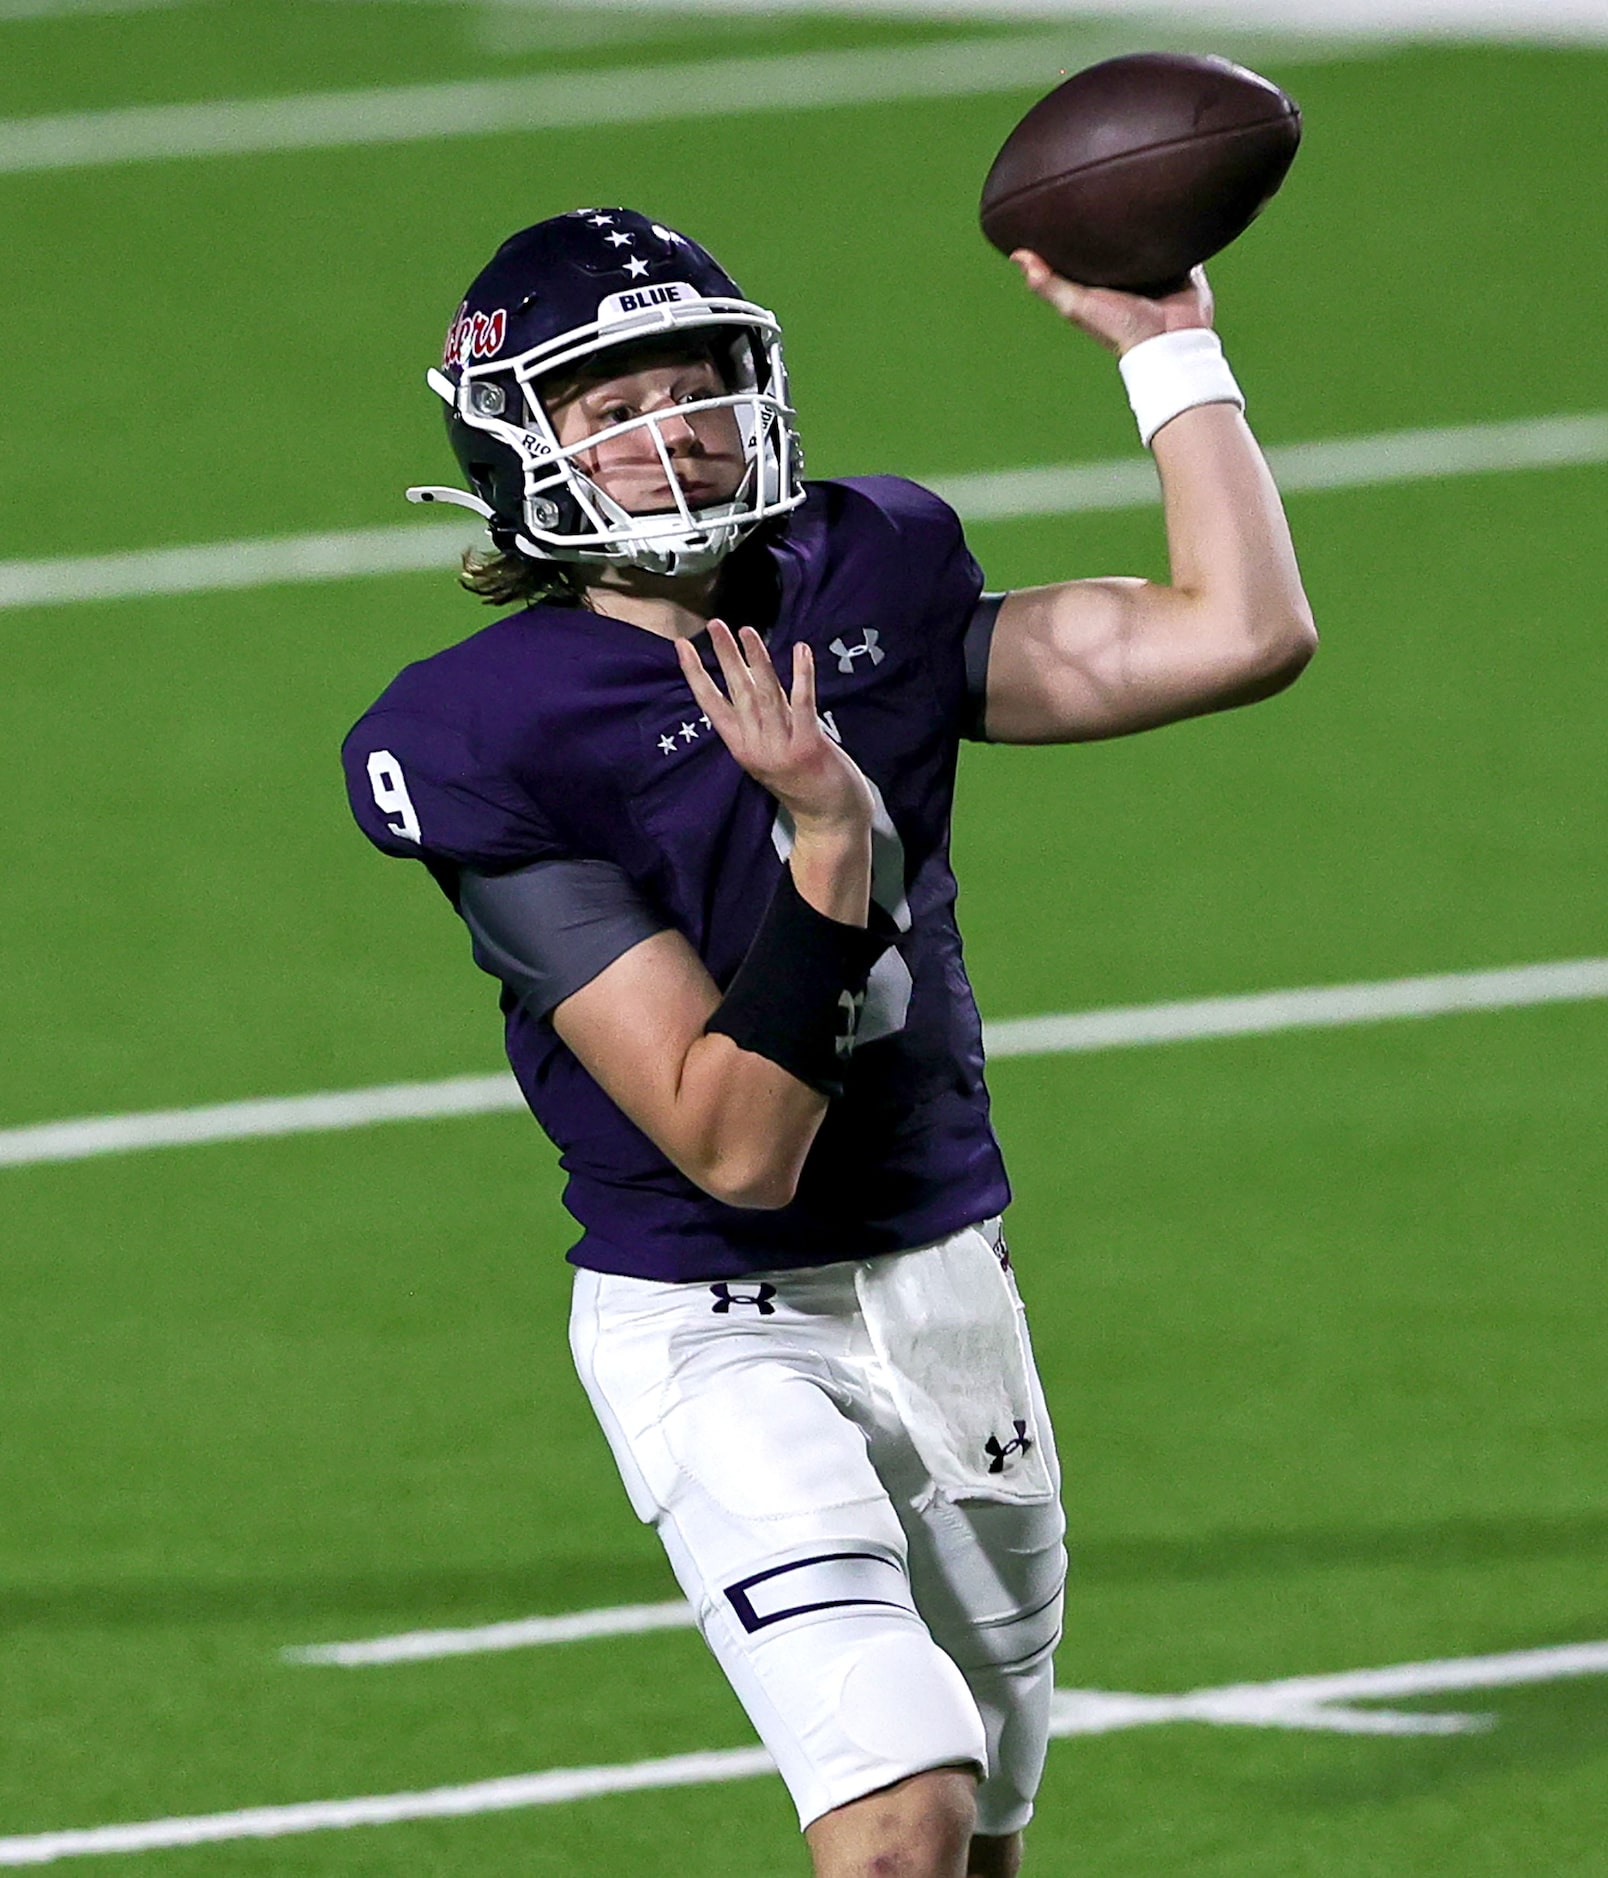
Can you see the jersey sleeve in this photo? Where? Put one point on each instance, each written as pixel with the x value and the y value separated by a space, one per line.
pixel 420 789
pixel 548 930
pixel 940 571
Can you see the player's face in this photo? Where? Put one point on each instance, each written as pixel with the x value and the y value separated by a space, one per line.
pixel 704 447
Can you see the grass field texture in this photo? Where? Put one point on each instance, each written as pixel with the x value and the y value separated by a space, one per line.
pixel 1322 1316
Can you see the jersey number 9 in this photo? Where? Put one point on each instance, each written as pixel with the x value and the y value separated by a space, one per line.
pixel 391 794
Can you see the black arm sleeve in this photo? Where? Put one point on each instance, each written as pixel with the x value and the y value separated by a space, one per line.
pixel 547 930
pixel 798 993
pixel 975 647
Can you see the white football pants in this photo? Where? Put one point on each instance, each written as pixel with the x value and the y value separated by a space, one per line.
pixel 874 1621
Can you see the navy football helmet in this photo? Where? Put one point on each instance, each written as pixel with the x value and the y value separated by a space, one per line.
pixel 555 297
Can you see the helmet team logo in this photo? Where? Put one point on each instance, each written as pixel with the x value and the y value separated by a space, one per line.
pixel 474 335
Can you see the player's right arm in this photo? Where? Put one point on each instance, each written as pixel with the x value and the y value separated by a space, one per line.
pixel 736 1123
pixel 1086 659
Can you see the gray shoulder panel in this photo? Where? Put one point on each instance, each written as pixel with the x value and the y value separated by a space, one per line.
pixel 549 929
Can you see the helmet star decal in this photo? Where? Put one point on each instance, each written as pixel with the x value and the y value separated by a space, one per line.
pixel 636 267
pixel 619 240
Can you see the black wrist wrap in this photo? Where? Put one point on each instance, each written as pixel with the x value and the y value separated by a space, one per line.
pixel 797 995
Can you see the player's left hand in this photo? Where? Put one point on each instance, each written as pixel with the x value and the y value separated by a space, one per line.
pixel 777 736
pixel 1119 321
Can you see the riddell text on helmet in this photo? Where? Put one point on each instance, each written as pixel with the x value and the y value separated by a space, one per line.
pixel 474 335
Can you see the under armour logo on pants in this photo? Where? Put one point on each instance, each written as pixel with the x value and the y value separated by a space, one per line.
pixel 1001 1455
pixel 725 1298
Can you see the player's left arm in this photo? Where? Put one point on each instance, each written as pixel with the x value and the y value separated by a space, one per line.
pixel 1086 659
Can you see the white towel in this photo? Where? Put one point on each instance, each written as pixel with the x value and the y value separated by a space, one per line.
pixel 946 1324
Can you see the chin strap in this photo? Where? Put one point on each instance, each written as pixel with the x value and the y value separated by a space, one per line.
pixel 459 498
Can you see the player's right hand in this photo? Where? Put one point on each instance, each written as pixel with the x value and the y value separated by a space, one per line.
pixel 776 736
pixel 1118 321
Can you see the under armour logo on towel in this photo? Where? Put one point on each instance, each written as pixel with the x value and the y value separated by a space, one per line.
pixel 1019 1445
pixel 725 1298
pixel 846 655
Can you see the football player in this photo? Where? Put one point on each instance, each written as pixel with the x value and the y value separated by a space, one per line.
pixel 692 802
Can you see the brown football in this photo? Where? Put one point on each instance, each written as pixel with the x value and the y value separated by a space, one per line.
pixel 1137 169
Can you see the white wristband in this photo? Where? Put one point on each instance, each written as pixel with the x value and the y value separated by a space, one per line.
pixel 1173 373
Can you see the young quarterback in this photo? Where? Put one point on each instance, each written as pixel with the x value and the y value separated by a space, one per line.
pixel 692 801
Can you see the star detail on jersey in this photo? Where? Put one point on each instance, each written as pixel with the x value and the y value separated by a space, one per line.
pixel 687 730
pixel 636 267
pixel 619 239
pixel 847 654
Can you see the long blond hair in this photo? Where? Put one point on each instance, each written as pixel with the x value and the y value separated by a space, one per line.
pixel 499 578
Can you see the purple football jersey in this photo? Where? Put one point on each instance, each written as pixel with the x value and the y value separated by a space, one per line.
pixel 557 733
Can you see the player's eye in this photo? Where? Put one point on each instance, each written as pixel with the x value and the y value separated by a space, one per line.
pixel 616 413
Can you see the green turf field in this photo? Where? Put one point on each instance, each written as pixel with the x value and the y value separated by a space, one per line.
pixel 1322 1314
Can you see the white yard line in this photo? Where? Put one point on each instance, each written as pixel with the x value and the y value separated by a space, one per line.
pixel 1320 1007
pixel 705 88
pixel 1305 1702
pixel 252 1120
pixel 51 9
pixel 1459 1672
pixel 1316 1007
pixel 385 1809
pixel 524 1633
pixel 1566 21
pixel 225 566
pixel 1365 21
pixel 1333 463
pixel 641 94
pixel 1321 1703
pixel 1079 1711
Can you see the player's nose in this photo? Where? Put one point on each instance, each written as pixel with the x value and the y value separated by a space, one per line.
pixel 677 430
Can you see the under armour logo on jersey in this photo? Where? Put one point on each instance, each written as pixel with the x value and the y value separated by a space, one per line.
pixel 846 655
pixel 1001 1455
pixel 725 1298
pixel 850 1005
